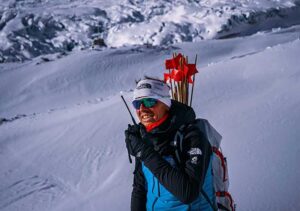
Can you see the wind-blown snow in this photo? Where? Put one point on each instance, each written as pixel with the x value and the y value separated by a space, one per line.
pixel 32 28
pixel 62 122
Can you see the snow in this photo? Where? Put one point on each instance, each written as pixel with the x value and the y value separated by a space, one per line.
pixel 62 120
pixel 73 25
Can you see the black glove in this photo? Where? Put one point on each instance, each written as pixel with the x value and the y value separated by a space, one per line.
pixel 134 141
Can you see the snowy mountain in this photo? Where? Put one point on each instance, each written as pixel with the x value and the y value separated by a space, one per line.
pixel 62 142
pixel 62 120
pixel 32 28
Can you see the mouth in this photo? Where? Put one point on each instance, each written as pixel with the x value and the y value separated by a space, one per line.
pixel 147 117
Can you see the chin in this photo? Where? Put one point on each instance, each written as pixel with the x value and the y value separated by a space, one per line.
pixel 147 123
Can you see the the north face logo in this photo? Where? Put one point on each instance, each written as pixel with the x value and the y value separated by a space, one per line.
pixel 144 86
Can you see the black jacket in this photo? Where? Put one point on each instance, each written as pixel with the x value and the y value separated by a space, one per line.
pixel 184 182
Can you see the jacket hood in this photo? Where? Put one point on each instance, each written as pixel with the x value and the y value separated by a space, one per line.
pixel 181 114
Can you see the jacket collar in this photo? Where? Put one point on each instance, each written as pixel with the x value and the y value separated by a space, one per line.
pixel 179 114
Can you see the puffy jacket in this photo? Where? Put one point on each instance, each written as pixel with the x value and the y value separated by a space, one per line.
pixel 160 181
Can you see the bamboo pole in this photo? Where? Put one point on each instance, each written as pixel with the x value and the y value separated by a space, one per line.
pixel 176 89
pixel 193 83
pixel 171 83
pixel 179 91
pixel 182 81
pixel 186 86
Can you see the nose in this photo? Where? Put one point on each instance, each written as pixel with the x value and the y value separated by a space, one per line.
pixel 143 108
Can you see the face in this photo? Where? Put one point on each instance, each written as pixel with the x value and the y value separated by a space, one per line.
pixel 148 116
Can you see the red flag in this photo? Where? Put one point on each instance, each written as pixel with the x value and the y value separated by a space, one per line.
pixel 177 75
pixel 190 79
pixel 189 69
pixel 170 64
pixel 174 63
pixel 177 59
pixel 167 77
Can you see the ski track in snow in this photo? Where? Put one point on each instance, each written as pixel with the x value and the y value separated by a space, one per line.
pixel 28 187
pixel 51 110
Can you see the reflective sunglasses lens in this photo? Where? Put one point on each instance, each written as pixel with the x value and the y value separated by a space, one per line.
pixel 137 104
pixel 149 102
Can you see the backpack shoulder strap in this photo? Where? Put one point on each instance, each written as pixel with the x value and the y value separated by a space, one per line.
pixel 208 200
pixel 211 134
pixel 178 143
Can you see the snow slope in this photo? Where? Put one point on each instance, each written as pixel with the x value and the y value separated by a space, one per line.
pixel 32 28
pixel 62 143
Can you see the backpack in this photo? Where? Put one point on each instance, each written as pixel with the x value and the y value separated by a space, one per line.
pixel 223 199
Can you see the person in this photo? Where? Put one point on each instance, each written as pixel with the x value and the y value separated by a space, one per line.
pixel 162 181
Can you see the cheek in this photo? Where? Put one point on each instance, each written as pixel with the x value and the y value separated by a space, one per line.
pixel 157 115
pixel 138 113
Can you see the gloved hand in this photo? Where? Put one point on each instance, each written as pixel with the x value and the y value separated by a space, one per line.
pixel 134 141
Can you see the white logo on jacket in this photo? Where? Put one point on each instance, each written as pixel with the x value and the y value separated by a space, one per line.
pixel 194 160
pixel 195 151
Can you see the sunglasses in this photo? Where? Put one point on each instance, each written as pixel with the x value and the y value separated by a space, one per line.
pixel 147 102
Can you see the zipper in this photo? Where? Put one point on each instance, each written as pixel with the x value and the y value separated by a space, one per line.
pixel 158 193
pixel 153 186
pixel 158 188
pixel 154 203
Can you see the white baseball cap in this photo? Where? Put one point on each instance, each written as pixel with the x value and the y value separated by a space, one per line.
pixel 152 88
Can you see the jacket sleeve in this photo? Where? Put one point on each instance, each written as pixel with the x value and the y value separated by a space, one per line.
pixel 138 195
pixel 184 183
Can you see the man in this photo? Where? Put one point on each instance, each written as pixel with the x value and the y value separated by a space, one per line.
pixel 166 178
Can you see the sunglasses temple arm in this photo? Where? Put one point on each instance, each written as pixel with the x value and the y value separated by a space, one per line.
pixel 134 122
